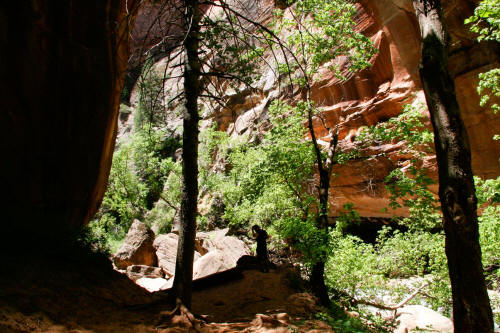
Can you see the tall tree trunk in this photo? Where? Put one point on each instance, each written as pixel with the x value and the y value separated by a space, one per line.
pixel 471 307
pixel 182 285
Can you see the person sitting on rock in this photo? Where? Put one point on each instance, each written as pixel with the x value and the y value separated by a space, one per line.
pixel 261 236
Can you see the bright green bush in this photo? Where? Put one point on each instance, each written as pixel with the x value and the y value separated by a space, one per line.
pixel 352 266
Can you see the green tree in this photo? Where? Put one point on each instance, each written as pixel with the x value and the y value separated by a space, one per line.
pixel 318 32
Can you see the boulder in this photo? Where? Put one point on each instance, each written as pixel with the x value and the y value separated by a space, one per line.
pixel 151 285
pixel 213 262
pixel 415 318
pixel 210 238
pixel 166 251
pixel 248 262
pixel 136 272
pixel 231 247
pixel 137 249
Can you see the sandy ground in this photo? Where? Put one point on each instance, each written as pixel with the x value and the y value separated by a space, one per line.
pixel 102 300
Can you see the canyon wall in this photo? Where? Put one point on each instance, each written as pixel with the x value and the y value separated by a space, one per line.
pixel 61 73
pixel 377 94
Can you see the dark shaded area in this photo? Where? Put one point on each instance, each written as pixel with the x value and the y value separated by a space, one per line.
pixel 131 78
pixel 61 70
pixel 367 228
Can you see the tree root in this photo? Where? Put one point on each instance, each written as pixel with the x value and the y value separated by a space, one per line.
pixel 180 319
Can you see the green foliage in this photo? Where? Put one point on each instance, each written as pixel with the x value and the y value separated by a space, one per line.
pixel 488 194
pixel 342 322
pixel 284 159
pixel 408 126
pixel 235 52
pixel 365 270
pixel 150 111
pixel 489 81
pixel 138 174
pixel 406 254
pixel 352 265
pixel 319 31
pixel 408 187
pixel 486 20
pixel 486 23
pixel 411 189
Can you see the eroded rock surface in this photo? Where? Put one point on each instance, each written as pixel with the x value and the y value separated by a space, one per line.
pixel 137 248
pixel 376 94
pixel 166 251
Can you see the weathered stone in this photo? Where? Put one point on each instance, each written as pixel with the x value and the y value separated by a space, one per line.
pixel 209 239
pixel 166 251
pixel 168 284
pixel 136 272
pixel 137 248
pixel 231 247
pixel 151 284
pixel 212 262
pixel 414 318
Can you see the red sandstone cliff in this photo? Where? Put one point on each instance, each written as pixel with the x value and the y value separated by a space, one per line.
pixel 379 93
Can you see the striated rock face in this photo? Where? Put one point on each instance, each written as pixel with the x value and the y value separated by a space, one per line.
pixel 166 251
pixel 379 93
pixel 61 72
pixel 136 272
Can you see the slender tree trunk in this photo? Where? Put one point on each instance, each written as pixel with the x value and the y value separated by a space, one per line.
pixel 182 285
pixel 318 270
pixel 317 278
pixel 471 307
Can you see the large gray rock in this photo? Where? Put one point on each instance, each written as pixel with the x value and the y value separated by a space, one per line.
pixel 231 247
pixel 223 252
pixel 209 239
pixel 137 249
pixel 151 285
pixel 136 272
pixel 166 251
pixel 415 318
pixel 212 262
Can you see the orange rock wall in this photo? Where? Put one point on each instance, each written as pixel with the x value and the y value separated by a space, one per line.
pixel 379 93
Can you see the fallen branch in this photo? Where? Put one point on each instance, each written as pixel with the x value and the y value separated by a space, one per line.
pixel 392 307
